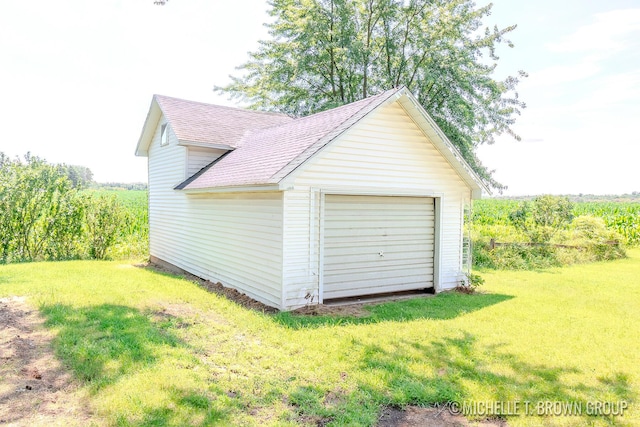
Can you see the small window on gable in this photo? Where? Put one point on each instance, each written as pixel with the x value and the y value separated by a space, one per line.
pixel 164 135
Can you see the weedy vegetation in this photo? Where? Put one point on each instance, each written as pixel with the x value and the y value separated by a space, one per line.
pixel 551 231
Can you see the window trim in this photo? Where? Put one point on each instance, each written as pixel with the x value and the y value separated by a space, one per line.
pixel 164 135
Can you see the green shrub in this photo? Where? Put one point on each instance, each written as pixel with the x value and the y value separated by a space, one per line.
pixel 481 255
pixel 105 220
pixel 546 224
pixel 591 238
pixel 542 218
pixel 43 216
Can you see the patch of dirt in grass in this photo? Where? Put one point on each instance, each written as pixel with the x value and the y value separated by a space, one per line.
pixel 35 389
pixel 355 310
pixel 216 288
pixel 234 295
pixel 414 416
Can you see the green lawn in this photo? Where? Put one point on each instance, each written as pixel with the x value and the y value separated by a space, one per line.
pixel 153 349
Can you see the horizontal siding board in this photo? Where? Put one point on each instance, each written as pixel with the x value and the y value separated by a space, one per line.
pixel 235 239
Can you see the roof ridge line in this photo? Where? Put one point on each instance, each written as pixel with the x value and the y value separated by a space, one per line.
pixel 226 107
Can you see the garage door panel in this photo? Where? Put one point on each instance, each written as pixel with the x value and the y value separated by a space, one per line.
pixel 363 282
pixel 377 246
pixel 346 255
pixel 358 228
pixel 338 233
pixel 364 288
pixel 353 269
pixel 368 274
pixel 337 229
pixel 398 211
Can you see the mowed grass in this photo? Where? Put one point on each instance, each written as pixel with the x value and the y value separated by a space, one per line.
pixel 151 349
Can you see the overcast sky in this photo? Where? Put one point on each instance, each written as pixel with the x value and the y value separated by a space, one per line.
pixel 77 77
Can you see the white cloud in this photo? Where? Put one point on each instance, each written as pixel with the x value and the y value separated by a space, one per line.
pixel 559 74
pixel 614 91
pixel 611 34
pixel 611 31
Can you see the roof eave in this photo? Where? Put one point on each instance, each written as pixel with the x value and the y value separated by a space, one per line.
pixel 233 189
pixel 199 144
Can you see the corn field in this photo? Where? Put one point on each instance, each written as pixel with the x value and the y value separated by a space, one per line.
pixel 622 217
pixel 619 216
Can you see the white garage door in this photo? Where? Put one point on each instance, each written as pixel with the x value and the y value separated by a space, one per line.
pixel 377 244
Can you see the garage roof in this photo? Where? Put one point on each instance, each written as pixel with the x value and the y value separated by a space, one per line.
pixel 266 147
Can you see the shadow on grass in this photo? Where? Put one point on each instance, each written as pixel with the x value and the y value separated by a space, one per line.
pixel 457 369
pixel 106 343
pixel 187 407
pixel 461 366
pixel 102 343
pixel 441 307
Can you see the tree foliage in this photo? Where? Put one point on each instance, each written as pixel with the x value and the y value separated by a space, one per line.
pixel 326 53
pixel 44 215
pixel 80 176
pixel 543 218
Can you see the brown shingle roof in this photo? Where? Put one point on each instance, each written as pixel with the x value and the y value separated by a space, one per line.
pixel 213 124
pixel 268 154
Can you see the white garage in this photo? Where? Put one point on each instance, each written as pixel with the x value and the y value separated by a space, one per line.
pixel 364 199
pixel 377 244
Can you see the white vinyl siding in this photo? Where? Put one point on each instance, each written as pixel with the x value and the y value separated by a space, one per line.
pixel 377 244
pixel 197 158
pixel 384 154
pixel 233 238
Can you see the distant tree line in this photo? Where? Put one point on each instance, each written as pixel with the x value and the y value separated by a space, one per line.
pixel 136 186
pixel 80 176
pixel 45 215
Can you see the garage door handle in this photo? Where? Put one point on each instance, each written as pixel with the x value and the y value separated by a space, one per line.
pixel 381 253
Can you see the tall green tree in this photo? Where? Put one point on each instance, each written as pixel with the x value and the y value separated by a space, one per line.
pixel 80 176
pixel 326 53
